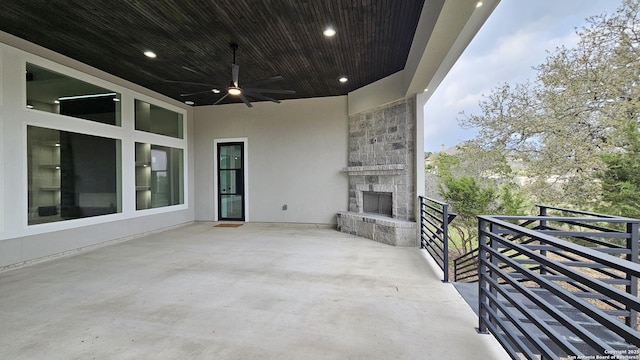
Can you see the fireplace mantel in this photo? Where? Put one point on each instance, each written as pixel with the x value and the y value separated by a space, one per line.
pixel 391 169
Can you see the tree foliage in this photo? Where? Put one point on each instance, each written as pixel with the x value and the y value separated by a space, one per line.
pixel 471 194
pixel 569 128
pixel 621 178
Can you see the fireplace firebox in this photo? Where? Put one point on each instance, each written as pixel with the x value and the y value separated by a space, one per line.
pixel 377 203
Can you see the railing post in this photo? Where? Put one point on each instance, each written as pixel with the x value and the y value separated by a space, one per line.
pixel 421 237
pixel 632 288
pixel 543 226
pixel 493 229
pixel 445 246
pixel 482 272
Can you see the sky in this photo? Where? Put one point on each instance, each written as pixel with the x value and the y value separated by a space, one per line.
pixel 518 35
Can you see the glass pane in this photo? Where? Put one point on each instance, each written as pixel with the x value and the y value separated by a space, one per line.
pixel 231 206
pixel 157 120
pixel 60 94
pixel 231 157
pixel 159 176
pixel 71 175
pixel 229 182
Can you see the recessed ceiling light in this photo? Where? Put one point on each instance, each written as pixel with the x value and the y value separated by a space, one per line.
pixel 56 101
pixel 426 89
pixel 189 102
pixel 234 91
pixel 343 79
pixel 216 91
pixel 329 32
pixel 150 54
pixel 29 106
pixel 479 4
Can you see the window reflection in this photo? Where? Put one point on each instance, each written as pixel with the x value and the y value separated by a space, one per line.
pixel 71 175
pixel 60 94
pixel 157 120
pixel 159 176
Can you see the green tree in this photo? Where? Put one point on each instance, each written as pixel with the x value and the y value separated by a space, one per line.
pixel 621 177
pixel 473 195
pixel 568 125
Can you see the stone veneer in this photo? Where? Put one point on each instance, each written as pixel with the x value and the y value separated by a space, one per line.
pixel 382 159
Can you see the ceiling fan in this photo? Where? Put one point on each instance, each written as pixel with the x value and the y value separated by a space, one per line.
pixel 248 91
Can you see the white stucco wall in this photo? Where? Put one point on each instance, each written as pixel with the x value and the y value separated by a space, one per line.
pixel 20 242
pixel 296 152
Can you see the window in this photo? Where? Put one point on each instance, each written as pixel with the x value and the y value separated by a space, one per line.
pixel 60 94
pixel 157 120
pixel 71 175
pixel 159 176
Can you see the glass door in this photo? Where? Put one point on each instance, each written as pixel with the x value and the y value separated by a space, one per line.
pixel 230 181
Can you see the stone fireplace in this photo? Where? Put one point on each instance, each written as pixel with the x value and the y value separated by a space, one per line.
pixel 381 172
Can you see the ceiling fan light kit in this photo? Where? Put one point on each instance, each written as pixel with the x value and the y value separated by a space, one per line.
pixel 251 91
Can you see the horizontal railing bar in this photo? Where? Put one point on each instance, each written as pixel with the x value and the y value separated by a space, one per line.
pixel 575 234
pixel 580 304
pixel 597 225
pixel 591 226
pixel 465 265
pixel 536 320
pixel 474 277
pixel 628 299
pixel 507 334
pixel 433 200
pixel 584 235
pixel 559 219
pixel 607 281
pixel 470 253
pixel 432 251
pixel 432 235
pixel 432 210
pixel 560 316
pixel 606 216
pixel 432 221
pixel 466 273
pixel 613 262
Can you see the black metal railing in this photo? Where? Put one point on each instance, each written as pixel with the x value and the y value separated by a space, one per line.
pixel 621 239
pixel 544 297
pixel 434 231
pixel 465 267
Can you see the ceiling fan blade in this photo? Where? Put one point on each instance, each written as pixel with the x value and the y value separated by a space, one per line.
pixel 192 70
pixel 244 100
pixel 193 83
pixel 222 98
pixel 235 70
pixel 262 97
pixel 199 92
pixel 264 81
pixel 268 91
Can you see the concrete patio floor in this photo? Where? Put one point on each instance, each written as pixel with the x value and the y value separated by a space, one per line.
pixel 258 291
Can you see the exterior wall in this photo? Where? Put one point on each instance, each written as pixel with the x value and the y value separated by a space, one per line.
pixel 20 242
pixel 296 152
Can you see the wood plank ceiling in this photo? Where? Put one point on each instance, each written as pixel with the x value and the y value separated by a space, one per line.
pixel 192 37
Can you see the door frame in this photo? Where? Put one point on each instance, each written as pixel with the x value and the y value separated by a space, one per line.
pixel 245 182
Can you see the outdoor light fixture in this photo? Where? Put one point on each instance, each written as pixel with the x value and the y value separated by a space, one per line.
pixel 478 4
pixel 150 54
pixel 189 102
pixel 343 79
pixel 329 32
pixel 234 90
